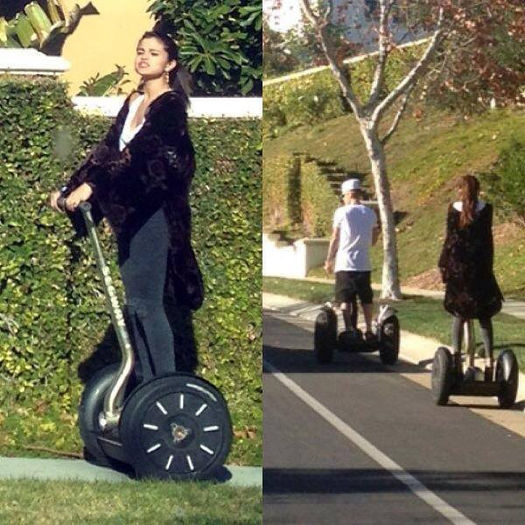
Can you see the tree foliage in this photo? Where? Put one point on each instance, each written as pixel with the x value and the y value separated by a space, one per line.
pixel 481 61
pixel 219 41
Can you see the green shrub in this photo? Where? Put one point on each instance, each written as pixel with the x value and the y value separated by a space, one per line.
pixel 505 183
pixel 317 97
pixel 52 312
pixel 297 197
pixel 276 186
pixel 318 201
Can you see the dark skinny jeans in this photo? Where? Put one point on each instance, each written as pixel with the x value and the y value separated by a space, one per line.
pixel 142 264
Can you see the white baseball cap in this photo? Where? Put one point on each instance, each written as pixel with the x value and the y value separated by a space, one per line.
pixel 349 185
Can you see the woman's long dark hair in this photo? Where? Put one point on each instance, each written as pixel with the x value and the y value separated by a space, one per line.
pixel 179 77
pixel 469 187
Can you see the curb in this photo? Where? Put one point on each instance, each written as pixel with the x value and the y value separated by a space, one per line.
pixel 79 470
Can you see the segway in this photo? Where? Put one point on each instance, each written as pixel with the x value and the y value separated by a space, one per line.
pixel 449 378
pixel 175 426
pixel 385 329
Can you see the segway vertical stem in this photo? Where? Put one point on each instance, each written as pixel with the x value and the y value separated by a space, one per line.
pixel 469 341
pixel 114 398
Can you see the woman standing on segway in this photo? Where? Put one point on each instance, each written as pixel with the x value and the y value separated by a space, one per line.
pixel 466 265
pixel 139 177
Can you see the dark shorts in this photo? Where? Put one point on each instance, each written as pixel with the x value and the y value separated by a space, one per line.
pixel 350 284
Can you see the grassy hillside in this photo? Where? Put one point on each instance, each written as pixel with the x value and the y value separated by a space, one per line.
pixel 424 156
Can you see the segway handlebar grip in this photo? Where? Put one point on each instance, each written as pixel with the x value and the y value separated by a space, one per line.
pixel 84 206
pixel 61 203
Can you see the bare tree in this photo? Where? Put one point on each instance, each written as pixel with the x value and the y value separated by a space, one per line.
pixel 370 113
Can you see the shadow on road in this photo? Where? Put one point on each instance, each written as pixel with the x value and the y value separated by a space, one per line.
pixel 303 361
pixel 342 481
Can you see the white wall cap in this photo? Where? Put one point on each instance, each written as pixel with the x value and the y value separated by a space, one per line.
pixel 31 62
pixel 200 107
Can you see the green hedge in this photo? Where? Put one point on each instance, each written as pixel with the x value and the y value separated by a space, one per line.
pixel 52 313
pixel 318 201
pixel 280 178
pixel 317 97
pixel 297 197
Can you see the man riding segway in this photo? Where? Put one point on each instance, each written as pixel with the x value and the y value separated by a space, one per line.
pixel 355 229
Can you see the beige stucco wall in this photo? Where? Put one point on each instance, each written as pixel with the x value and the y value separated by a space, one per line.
pixel 101 41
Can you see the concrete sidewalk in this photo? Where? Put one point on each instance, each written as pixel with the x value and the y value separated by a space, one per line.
pixel 510 306
pixel 80 470
pixel 418 350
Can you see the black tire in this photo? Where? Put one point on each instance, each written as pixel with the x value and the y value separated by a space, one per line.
pixel 325 335
pixel 91 404
pixel 507 373
pixel 176 427
pixel 442 375
pixel 389 336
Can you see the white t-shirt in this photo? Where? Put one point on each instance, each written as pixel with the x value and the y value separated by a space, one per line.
pixel 127 134
pixel 356 223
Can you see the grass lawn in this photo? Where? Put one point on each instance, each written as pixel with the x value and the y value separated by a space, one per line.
pixel 52 502
pixel 423 157
pixel 421 315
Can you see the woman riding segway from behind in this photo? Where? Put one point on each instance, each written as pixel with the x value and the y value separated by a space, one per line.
pixel 466 265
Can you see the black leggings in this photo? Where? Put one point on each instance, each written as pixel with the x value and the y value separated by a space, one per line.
pixel 486 333
pixel 142 264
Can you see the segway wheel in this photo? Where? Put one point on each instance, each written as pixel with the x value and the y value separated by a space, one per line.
pixel 389 336
pixel 176 427
pixel 442 374
pixel 91 404
pixel 325 335
pixel 507 373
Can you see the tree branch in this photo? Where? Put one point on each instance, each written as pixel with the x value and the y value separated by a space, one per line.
pixel 398 116
pixel 321 28
pixel 384 41
pixel 329 10
pixel 412 77
pixel 308 11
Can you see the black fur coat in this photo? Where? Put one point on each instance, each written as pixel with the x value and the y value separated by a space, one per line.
pixel 155 170
pixel 466 267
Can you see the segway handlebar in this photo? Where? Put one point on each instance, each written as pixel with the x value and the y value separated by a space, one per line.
pixel 114 398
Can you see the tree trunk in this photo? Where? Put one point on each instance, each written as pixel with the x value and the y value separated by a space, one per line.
pixel 390 288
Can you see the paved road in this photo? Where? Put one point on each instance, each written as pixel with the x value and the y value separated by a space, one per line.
pixel 356 443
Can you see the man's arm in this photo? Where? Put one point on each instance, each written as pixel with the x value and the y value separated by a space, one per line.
pixel 332 251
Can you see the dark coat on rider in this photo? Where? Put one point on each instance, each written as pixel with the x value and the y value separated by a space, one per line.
pixel 154 171
pixel 466 263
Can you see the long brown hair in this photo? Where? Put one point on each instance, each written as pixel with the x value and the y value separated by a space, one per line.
pixel 469 189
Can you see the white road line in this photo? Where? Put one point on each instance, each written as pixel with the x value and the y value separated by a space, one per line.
pixel 441 506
